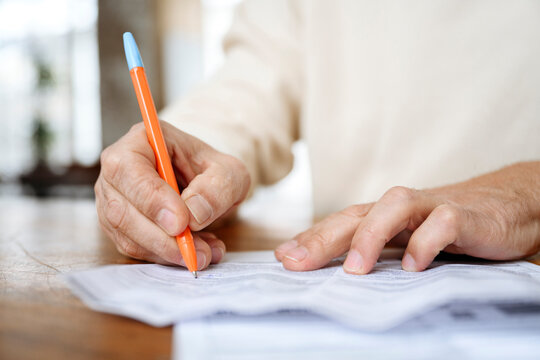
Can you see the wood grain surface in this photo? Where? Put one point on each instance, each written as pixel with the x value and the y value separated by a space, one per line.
pixel 41 319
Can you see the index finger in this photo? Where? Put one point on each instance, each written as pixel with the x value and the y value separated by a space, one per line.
pixel 129 167
pixel 399 209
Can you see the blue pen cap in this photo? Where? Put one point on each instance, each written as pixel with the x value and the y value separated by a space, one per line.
pixel 133 56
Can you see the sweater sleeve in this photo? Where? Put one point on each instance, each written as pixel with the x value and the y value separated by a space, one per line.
pixel 250 107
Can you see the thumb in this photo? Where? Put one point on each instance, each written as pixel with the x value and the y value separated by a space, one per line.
pixel 209 195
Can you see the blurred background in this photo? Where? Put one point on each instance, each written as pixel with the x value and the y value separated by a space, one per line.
pixel 65 92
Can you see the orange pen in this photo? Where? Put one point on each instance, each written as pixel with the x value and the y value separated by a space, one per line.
pixel 156 140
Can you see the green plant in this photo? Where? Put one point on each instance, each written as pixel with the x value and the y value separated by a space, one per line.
pixel 42 138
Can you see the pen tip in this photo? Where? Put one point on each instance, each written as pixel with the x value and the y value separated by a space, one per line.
pixel 194 274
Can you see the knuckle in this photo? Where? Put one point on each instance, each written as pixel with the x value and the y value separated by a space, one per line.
pixel 400 194
pixel 97 188
pixel 128 248
pixel 115 213
pixel 236 163
pixel 319 241
pixel 241 172
pixel 146 191
pixel 447 216
pixel 354 211
pixel 106 155
pixel 138 127
pixel 111 162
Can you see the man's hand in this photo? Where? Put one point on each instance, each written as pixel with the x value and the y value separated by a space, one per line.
pixel 495 216
pixel 141 214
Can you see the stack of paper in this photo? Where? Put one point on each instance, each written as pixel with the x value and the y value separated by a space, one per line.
pixel 463 330
pixel 250 284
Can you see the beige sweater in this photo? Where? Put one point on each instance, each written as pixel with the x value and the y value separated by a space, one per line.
pixel 416 93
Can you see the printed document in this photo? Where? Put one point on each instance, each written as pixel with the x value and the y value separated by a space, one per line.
pixel 461 330
pixel 255 283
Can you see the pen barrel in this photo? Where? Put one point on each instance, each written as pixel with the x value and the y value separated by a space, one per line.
pixel 163 161
pixel 153 128
pixel 187 249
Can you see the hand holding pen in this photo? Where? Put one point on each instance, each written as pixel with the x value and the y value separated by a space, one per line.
pixel 142 213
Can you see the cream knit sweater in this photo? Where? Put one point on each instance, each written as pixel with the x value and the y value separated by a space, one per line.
pixel 416 93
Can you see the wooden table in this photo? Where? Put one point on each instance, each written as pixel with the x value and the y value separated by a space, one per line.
pixel 41 319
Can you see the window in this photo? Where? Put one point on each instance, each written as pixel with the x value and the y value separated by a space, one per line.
pixel 49 84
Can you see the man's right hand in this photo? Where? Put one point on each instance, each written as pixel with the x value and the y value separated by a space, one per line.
pixel 141 213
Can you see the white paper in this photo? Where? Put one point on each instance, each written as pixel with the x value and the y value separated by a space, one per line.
pixel 457 331
pixel 255 283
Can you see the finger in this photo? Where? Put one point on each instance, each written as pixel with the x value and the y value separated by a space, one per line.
pixel 442 228
pixel 126 223
pixel 129 248
pixel 212 193
pixel 217 246
pixel 129 167
pixel 213 182
pixel 325 241
pixel 348 217
pixel 124 245
pixel 204 252
pixel 398 209
pixel 120 216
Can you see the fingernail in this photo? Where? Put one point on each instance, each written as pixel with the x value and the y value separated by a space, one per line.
pixel 289 245
pixel 217 254
pixel 201 260
pixel 297 254
pixel 168 221
pixel 408 263
pixel 200 208
pixel 354 262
